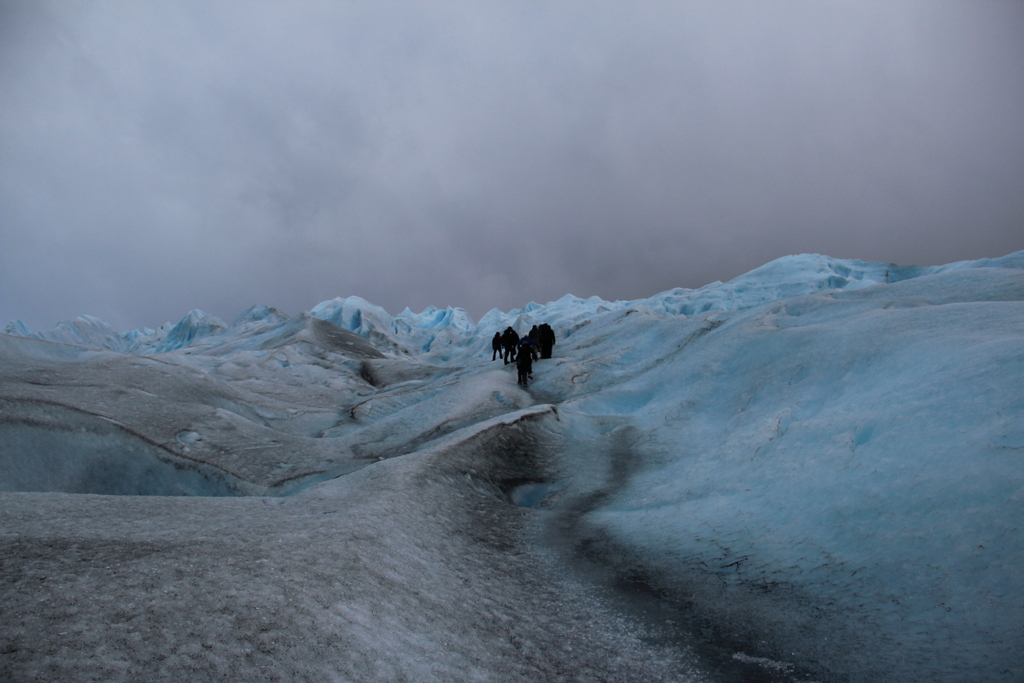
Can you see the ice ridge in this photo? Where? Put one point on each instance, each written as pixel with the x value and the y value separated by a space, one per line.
pixel 450 331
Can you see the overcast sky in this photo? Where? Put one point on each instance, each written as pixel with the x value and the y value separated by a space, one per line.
pixel 161 156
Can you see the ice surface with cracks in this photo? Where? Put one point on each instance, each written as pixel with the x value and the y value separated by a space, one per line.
pixel 816 465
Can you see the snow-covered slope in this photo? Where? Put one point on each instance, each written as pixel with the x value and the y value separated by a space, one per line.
pixel 811 472
pixel 843 470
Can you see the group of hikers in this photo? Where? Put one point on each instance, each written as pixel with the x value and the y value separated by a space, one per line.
pixel 522 351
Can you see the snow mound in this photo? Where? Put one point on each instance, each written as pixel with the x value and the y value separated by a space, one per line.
pixel 194 326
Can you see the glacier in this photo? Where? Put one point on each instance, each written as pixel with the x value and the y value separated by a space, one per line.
pixel 810 472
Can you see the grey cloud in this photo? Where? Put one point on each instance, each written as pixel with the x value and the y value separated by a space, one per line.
pixel 161 156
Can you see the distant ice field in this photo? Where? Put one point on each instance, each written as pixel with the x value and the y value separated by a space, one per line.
pixel 813 472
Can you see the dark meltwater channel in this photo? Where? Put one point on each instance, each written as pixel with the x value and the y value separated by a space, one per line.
pixel 668 621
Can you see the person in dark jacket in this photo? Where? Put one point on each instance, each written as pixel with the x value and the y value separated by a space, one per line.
pixel 509 339
pixel 524 361
pixel 496 347
pixel 545 339
pixel 528 344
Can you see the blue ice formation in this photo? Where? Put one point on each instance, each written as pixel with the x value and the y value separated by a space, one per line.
pixel 823 456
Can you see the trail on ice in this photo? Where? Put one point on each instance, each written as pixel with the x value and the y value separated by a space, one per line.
pixel 413 568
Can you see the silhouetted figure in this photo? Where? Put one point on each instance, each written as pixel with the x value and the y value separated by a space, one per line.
pixel 528 345
pixel 496 347
pixel 545 339
pixel 524 361
pixel 509 339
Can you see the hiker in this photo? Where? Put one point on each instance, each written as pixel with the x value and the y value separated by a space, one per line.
pixel 528 345
pixel 524 361
pixel 509 339
pixel 546 339
pixel 496 347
